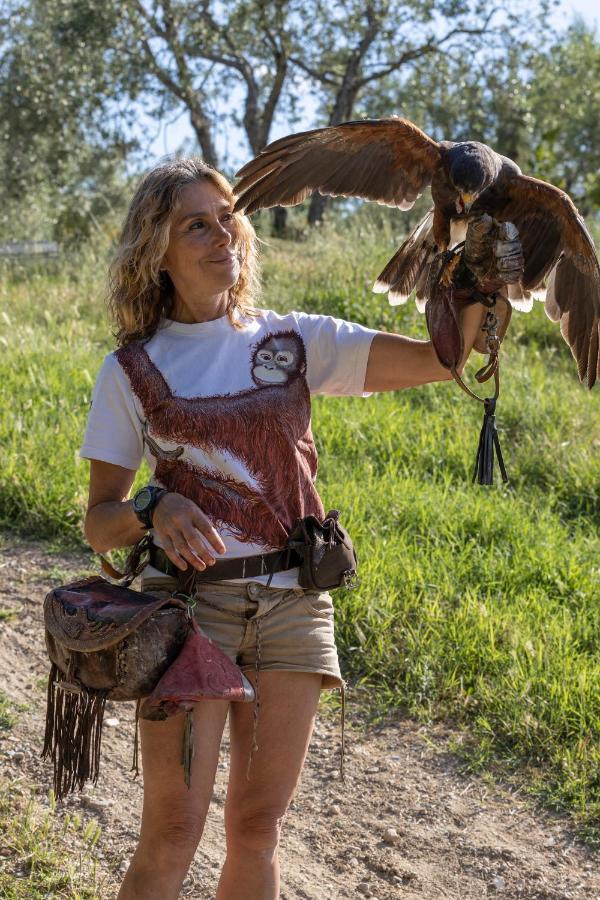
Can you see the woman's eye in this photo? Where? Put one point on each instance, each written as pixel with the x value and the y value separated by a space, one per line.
pixel 196 225
pixel 227 217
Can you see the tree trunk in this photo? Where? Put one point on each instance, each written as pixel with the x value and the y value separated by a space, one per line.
pixel 278 221
pixel 316 210
pixel 201 127
pixel 341 112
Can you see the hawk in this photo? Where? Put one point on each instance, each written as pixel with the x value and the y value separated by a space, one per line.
pixel 392 161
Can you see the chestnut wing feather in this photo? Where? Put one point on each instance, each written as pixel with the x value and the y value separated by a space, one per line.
pixel 387 160
pixel 556 243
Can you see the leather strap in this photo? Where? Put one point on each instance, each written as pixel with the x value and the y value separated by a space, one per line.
pixel 134 564
pixel 240 567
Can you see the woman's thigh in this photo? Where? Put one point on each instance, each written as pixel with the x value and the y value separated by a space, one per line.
pixel 288 704
pixel 169 805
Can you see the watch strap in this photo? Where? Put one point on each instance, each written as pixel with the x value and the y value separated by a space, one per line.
pixel 145 514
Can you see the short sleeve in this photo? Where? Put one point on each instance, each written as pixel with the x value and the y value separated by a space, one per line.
pixel 114 432
pixel 337 353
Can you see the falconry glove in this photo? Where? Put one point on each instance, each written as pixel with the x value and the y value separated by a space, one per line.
pixel 493 251
pixel 474 272
pixel 478 271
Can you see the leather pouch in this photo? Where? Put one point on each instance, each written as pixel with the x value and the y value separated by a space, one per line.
pixel 105 637
pixel 107 642
pixel 328 556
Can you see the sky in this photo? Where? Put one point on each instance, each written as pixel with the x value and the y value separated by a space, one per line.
pixel 176 134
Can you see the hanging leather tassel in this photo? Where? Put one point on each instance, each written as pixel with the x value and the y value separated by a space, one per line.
pixel 488 443
pixel 187 749
pixel 73 732
pixel 343 744
pixel 135 764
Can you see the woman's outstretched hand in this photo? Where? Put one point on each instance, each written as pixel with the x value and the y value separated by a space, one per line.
pixel 185 532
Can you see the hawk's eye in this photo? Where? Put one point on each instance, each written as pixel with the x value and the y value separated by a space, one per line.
pixel 284 358
pixel 264 356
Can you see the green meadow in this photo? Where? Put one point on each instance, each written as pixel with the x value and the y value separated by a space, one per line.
pixel 478 605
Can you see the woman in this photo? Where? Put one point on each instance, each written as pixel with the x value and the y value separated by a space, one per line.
pixel 215 394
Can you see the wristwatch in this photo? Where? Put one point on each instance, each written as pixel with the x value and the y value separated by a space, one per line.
pixel 144 502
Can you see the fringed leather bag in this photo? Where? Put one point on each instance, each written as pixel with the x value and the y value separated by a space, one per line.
pixel 107 642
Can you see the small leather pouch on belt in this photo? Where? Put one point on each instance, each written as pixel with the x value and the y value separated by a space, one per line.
pixel 328 558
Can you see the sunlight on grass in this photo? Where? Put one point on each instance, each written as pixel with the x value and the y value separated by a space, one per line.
pixel 38 852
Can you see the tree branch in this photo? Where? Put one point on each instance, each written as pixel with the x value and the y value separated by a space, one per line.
pixel 182 89
pixel 423 50
pixel 325 77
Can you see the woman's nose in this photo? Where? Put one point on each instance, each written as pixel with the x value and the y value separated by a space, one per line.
pixel 221 235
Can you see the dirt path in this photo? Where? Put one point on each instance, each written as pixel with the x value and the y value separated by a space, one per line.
pixel 456 837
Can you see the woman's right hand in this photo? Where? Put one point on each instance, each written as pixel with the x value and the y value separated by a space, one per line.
pixel 185 532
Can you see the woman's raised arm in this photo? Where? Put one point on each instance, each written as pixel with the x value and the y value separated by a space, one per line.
pixel 397 362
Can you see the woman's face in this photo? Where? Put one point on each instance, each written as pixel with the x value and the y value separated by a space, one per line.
pixel 202 256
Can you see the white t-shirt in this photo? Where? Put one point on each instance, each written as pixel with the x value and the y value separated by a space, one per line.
pixel 222 416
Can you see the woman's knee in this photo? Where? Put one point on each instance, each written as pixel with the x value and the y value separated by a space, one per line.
pixel 257 830
pixel 175 834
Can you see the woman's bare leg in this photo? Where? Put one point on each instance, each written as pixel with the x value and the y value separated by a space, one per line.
pixel 254 809
pixel 173 816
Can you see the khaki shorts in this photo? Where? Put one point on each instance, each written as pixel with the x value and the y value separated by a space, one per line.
pixel 280 629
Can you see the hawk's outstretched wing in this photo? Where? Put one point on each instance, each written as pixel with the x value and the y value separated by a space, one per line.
pixel 387 160
pixel 556 243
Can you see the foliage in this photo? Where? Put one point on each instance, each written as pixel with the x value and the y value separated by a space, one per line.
pixel 62 146
pixel 351 47
pixel 534 104
pixel 565 131
pixel 36 849
pixel 76 75
pixel 7 716
pixel 199 54
pixel 477 604
pixel 36 854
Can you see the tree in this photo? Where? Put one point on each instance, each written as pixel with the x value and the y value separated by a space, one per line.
pixel 351 46
pixel 563 101
pixel 203 52
pixel 62 150
pixel 80 67
pixel 537 106
pixel 75 72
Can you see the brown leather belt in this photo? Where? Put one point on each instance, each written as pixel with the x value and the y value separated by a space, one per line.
pixel 239 567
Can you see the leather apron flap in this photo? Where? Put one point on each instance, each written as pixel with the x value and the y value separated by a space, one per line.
pixel 93 614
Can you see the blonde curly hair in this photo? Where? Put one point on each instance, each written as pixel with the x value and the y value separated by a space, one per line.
pixel 140 294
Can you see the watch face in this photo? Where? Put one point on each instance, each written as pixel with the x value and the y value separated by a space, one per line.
pixel 142 499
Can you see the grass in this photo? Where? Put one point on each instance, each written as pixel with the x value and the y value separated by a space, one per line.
pixel 477 604
pixel 7 714
pixel 43 852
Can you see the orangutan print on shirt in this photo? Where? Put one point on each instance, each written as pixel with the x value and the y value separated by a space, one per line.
pixel 222 415
pixel 266 427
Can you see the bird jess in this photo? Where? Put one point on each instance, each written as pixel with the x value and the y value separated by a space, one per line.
pixel 392 161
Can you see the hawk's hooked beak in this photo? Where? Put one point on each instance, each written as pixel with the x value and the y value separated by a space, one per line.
pixel 465 202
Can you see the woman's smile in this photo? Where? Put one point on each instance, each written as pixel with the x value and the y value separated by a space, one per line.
pixel 228 257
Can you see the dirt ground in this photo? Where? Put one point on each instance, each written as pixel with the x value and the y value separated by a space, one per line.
pixel 407 824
